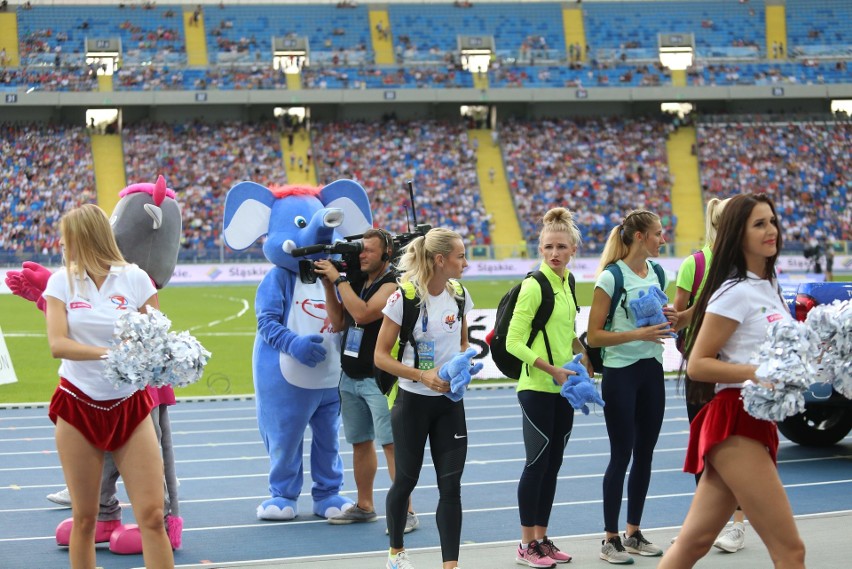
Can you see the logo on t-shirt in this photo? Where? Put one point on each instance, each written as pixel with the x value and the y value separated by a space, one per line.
pixel 774 317
pixel 394 297
pixel 78 305
pixel 119 301
pixel 449 319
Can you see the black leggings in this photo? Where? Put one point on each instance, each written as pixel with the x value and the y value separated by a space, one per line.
pixel 414 418
pixel 635 399
pixel 547 422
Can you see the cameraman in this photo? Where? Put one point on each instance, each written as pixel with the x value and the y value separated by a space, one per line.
pixel 357 311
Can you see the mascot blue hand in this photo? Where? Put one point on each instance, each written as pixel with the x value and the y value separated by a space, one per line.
pixel 308 349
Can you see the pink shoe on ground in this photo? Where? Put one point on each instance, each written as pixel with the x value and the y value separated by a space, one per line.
pixel 103 531
pixel 549 549
pixel 126 540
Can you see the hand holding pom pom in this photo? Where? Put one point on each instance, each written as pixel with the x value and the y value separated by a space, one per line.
pixel 832 323
pixel 144 353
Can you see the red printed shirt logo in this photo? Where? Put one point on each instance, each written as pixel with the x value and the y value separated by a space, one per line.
pixel 78 305
pixel 774 317
pixel 119 301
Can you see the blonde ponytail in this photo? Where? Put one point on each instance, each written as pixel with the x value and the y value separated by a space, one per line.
pixel 621 237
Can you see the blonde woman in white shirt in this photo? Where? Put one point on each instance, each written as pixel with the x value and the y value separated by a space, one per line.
pixel 735 452
pixel 84 299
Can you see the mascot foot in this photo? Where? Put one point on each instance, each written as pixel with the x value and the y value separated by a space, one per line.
pixel 103 530
pixel 277 509
pixel 126 540
pixel 332 506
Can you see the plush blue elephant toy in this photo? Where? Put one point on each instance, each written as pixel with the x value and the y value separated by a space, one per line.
pixel 296 360
pixel 648 307
pixel 580 390
pixel 458 372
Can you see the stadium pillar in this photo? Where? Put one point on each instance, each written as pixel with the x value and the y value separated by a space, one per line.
pixel 506 236
pixel 105 84
pixel 9 40
pixel 687 201
pixel 776 29
pixel 381 36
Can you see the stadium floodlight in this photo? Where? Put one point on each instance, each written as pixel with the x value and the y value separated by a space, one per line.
pixel 103 54
pixel 476 52
pixel 290 54
pixel 677 51
pixel 842 106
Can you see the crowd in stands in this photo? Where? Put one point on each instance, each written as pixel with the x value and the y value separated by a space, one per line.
pixel 45 171
pixel 382 156
pixel 600 168
pixel 804 166
pixel 201 162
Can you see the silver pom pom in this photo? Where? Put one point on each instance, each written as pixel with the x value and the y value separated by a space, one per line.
pixel 785 370
pixel 144 352
pixel 832 324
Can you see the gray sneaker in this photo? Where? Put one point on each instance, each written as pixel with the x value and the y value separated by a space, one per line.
pixel 63 498
pixel 613 552
pixel 637 543
pixel 354 515
pixel 411 523
pixel 731 540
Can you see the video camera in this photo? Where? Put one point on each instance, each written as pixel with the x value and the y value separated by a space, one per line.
pixel 348 262
pixel 350 248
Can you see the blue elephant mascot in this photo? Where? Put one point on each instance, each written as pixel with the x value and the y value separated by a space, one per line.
pixel 296 359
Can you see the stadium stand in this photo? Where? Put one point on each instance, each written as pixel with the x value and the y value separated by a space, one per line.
pixel 803 165
pixel 45 170
pixel 601 168
pixel 437 156
pixel 201 162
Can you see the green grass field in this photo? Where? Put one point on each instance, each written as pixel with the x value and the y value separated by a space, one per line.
pixel 221 317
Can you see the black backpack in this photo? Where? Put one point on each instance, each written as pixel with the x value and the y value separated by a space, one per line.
pixel 596 355
pixel 508 364
pixel 410 312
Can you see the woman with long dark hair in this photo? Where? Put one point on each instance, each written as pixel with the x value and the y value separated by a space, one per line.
pixel 735 452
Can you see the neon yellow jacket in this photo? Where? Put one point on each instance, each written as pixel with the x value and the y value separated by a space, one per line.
pixel 560 331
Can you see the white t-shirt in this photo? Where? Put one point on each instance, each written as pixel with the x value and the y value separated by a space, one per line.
pixel 91 318
pixel 442 327
pixel 755 303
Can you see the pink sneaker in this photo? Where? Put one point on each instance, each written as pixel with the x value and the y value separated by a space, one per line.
pixel 102 531
pixel 533 556
pixel 549 548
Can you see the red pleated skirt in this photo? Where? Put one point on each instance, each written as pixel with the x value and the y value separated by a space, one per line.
pixel 724 416
pixel 106 424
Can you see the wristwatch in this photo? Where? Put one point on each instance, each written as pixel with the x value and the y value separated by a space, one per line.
pixel 341 279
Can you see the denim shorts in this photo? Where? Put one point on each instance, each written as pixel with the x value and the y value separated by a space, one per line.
pixel 365 412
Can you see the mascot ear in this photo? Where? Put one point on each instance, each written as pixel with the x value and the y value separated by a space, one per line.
pixel 351 197
pixel 247 210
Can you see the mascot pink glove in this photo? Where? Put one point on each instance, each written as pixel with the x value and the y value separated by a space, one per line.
pixel 580 389
pixel 458 372
pixel 29 283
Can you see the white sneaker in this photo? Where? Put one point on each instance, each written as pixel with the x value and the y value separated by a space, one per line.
pixel 63 498
pixel 399 561
pixel 411 523
pixel 731 540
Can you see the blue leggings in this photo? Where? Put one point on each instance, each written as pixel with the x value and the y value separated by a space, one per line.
pixel 547 422
pixel 635 399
